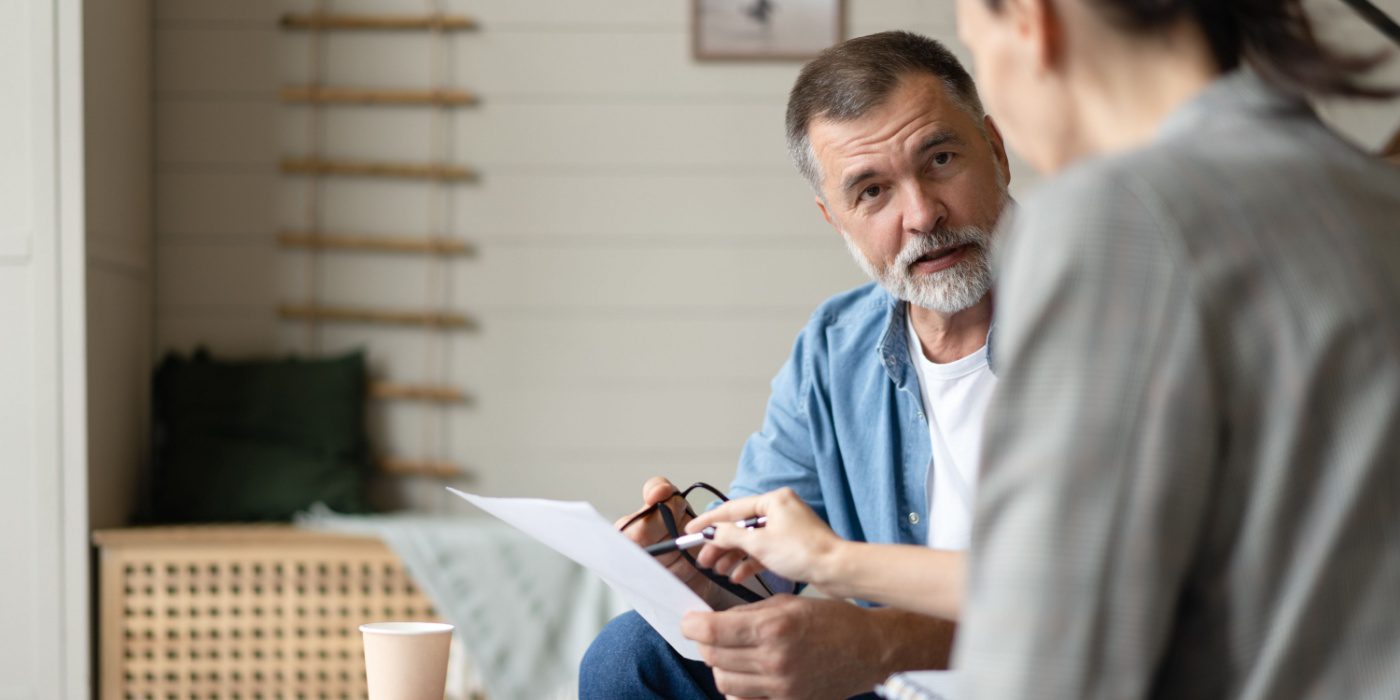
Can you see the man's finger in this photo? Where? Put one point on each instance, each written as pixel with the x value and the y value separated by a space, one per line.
pixel 657 489
pixel 733 659
pixel 645 531
pixel 749 685
pixel 731 628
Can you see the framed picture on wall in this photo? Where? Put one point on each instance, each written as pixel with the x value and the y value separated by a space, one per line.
pixel 745 30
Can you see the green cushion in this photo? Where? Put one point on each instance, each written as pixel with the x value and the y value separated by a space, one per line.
pixel 259 440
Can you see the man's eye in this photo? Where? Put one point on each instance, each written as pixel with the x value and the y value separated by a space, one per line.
pixel 870 192
pixel 942 159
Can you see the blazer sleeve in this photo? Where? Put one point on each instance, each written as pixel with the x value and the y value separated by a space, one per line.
pixel 1097 460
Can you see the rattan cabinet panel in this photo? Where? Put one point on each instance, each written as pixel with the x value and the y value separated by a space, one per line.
pixel 243 612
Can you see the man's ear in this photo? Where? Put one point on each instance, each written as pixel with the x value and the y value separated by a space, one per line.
pixel 826 214
pixel 998 148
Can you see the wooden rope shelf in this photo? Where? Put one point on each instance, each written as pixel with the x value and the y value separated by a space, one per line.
pixel 391 391
pixel 439 469
pixel 318 21
pixel 425 171
pixel 356 315
pixel 369 96
pixel 391 244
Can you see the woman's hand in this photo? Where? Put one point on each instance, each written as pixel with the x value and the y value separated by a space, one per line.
pixel 794 543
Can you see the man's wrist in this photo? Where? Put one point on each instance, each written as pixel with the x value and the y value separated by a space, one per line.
pixel 910 642
pixel 884 641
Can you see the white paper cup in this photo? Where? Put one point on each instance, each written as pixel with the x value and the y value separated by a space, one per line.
pixel 406 660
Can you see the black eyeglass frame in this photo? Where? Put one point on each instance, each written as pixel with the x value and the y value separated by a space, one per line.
pixel 669 519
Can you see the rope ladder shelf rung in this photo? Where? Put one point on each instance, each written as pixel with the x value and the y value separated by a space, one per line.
pixel 394 391
pixel 375 96
pixel 324 20
pixel 316 240
pixel 435 468
pixel 419 171
pixel 373 243
pixel 340 314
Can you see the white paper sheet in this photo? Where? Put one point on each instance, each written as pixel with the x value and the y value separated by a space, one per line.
pixel 920 685
pixel 577 531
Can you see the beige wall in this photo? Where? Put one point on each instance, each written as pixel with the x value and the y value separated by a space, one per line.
pixel 121 253
pixel 645 255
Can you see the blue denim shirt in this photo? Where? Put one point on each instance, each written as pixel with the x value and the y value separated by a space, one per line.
pixel 845 426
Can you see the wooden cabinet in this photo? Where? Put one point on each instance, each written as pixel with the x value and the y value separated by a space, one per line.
pixel 249 612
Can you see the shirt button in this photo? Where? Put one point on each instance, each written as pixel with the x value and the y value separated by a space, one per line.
pixel 914 518
pixel 920 414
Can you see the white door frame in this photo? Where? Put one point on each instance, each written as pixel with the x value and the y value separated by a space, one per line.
pixel 44 543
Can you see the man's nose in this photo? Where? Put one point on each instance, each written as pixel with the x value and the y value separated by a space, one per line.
pixel 923 211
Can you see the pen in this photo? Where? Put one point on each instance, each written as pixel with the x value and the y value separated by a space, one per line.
pixel 699 538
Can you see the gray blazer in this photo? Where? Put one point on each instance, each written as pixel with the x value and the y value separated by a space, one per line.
pixel 1191 479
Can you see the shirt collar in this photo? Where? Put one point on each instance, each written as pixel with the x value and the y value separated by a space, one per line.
pixel 893 349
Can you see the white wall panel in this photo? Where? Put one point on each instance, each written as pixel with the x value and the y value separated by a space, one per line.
pixel 512 349
pixel 511 64
pixel 575 278
pixel 574 136
pixel 566 13
pixel 688 208
pixel 644 253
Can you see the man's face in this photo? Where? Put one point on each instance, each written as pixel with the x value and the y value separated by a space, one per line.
pixel 915 187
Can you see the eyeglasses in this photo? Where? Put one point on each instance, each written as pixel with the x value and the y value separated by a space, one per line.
pixel 693 503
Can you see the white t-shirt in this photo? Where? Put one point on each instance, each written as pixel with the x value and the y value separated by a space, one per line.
pixel 955 402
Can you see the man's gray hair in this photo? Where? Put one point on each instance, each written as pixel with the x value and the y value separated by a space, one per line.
pixel 851 78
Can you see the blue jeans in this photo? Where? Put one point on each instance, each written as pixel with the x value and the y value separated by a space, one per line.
pixel 630 661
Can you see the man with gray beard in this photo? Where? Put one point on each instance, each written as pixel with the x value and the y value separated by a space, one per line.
pixel 875 420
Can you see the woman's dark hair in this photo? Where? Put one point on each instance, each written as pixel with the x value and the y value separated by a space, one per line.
pixel 1274 37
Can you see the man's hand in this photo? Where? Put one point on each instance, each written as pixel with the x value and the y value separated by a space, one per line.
pixel 651 529
pixel 790 647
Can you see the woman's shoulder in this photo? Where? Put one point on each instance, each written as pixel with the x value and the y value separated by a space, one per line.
pixel 1093 198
